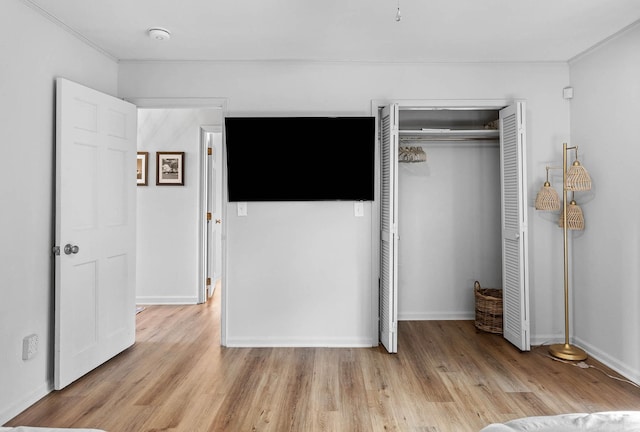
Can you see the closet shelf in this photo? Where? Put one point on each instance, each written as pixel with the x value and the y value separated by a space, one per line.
pixel 449 134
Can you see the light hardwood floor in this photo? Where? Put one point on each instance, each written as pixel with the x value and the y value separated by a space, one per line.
pixel 446 377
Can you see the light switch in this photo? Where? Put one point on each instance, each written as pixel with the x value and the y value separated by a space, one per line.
pixel 358 209
pixel 242 209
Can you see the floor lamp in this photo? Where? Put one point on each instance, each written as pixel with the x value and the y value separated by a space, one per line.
pixel 574 179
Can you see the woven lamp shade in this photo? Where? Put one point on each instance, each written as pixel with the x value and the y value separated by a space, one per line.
pixel 547 198
pixel 578 178
pixel 575 217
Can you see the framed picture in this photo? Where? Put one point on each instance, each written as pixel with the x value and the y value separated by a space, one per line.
pixel 170 168
pixel 143 164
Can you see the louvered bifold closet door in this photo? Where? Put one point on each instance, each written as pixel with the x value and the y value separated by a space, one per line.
pixel 388 228
pixel 514 226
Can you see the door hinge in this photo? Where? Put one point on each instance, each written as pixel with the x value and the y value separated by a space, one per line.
pixel 209 151
pixel 208 216
pixel 56 250
pixel 208 281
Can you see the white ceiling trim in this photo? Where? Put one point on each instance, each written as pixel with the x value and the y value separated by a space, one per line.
pixel 603 42
pixel 68 29
pixel 338 62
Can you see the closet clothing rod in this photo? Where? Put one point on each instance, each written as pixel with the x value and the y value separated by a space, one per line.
pixel 457 136
pixel 440 134
pixel 451 142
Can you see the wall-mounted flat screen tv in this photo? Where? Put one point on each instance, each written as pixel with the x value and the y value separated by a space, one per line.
pixel 300 158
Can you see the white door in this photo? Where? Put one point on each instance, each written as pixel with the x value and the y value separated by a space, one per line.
pixel 95 229
pixel 215 200
pixel 204 253
pixel 515 270
pixel 388 229
pixel 211 204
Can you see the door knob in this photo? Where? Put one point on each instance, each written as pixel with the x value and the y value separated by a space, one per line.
pixel 71 249
pixel 218 221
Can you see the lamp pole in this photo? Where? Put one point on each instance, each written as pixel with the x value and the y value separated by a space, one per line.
pixel 566 351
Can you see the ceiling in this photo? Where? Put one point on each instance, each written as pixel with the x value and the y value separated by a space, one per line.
pixel 344 30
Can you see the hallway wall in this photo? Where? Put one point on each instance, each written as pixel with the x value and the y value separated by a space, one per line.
pixel 168 216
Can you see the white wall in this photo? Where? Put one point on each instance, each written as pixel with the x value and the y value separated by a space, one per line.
pixel 168 216
pixel 449 228
pixel 299 274
pixel 34 52
pixel 273 291
pixel 604 123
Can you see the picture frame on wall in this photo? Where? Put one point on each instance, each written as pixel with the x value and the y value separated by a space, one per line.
pixel 142 168
pixel 170 168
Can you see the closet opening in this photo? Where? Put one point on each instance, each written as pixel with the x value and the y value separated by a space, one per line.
pixel 452 211
pixel 448 211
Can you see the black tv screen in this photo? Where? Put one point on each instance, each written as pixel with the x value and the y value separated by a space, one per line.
pixel 300 158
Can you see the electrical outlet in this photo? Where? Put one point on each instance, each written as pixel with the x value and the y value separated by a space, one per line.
pixel 29 347
pixel 358 209
pixel 242 209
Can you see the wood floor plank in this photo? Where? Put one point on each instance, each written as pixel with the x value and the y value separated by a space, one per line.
pixel 447 376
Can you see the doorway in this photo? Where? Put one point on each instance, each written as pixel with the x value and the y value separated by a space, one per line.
pixel 171 258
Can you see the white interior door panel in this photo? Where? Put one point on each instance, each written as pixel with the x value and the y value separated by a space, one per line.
pixel 95 229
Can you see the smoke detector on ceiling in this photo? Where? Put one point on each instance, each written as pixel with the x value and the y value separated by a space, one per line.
pixel 158 33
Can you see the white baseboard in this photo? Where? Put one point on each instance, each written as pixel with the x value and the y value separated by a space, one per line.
pixel 623 369
pixel 537 340
pixel 436 316
pixel 16 408
pixel 239 342
pixel 166 300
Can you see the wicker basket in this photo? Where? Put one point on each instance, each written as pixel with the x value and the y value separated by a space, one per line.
pixel 488 308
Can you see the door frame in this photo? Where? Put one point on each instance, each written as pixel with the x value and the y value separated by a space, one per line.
pixel 404 104
pixel 201 103
pixel 206 290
